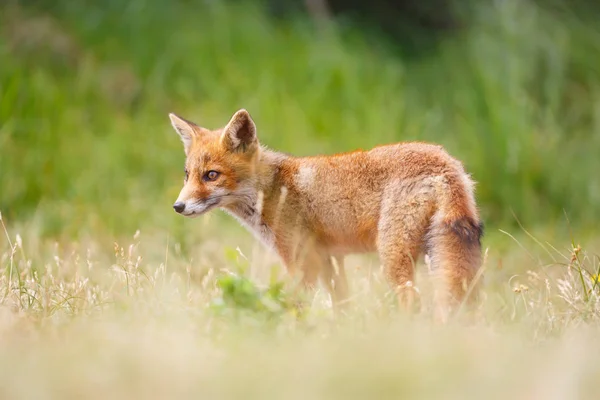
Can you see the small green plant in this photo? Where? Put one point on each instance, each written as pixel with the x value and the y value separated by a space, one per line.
pixel 238 292
pixel 240 296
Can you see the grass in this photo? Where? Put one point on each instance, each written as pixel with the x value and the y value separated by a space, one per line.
pixel 86 90
pixel 124 322
pixel 104 291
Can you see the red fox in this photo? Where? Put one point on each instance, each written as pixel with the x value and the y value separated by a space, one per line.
pixel 401 200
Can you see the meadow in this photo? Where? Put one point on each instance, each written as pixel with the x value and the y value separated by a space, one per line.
pixel 105 291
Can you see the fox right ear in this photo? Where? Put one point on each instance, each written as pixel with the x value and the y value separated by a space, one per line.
pixel 185 129
pixel 240 133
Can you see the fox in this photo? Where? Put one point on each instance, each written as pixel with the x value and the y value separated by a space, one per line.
pixel 400 200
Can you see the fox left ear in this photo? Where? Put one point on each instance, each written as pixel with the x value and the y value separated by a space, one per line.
pixel 185 129
pixel 240 133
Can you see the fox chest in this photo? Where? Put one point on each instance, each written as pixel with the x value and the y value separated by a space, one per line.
pixel 252 221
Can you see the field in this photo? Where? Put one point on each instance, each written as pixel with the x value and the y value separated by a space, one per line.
pixel 106 292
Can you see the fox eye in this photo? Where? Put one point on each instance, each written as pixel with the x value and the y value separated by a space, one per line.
pixel 211 175
pixel 187 174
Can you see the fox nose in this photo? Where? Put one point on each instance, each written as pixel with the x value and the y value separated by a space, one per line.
pixel 179 206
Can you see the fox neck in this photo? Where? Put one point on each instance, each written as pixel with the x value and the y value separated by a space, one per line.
pixel 249 209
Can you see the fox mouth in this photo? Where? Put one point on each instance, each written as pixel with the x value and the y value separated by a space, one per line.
pixel 201 207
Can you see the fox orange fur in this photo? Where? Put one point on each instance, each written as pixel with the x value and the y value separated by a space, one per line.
pixel 401 200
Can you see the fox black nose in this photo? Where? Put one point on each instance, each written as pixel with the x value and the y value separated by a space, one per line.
pixel 179 206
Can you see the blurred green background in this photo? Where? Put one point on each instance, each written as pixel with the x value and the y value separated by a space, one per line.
pixel 510 87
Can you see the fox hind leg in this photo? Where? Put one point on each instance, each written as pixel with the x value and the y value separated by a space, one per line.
pixel 399 243
pixel 398 266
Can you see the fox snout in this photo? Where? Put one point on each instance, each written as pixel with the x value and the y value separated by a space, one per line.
pixel 179 206
pixel 195 208
pixel 190 205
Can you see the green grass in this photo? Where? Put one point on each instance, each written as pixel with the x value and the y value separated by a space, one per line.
pixel 105 291
pixel 86 143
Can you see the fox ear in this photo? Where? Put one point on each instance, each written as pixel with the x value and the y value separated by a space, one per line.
pixel 240 133
pixel 185 129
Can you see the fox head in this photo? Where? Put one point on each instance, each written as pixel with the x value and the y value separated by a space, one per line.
pixel 219 166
